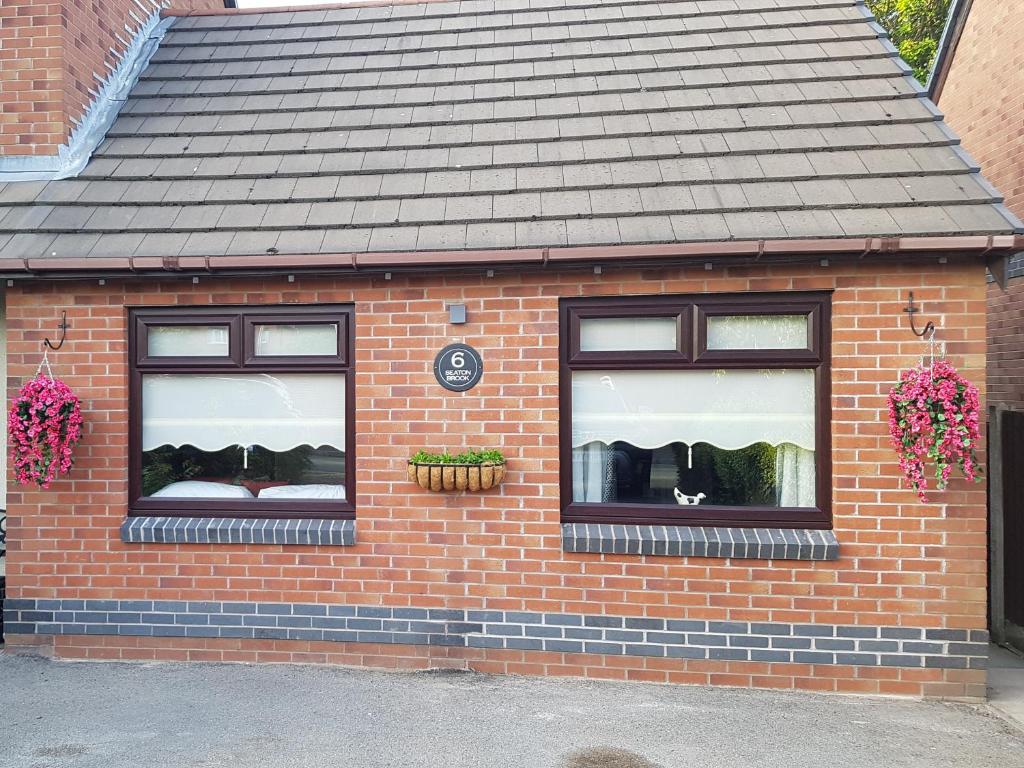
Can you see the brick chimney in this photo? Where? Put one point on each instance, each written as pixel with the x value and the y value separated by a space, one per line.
pixel 55 58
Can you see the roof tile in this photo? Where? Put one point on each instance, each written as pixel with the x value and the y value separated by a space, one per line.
pixel 514 124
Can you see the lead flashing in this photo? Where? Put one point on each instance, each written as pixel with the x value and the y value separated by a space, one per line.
pixel 90 131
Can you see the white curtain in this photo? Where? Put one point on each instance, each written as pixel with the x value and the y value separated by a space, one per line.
pixel 593 473
pixel 728 409
pixel 215 411
pixel 794 476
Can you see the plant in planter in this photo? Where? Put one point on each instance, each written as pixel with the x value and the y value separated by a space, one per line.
pixel 44 425
pixel 933 416
pixel 470 470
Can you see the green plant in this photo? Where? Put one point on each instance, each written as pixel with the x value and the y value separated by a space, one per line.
pixel 915 28
pixel 466 457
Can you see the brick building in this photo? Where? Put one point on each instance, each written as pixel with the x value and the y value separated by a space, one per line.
pixel 986 37
pixel 682 238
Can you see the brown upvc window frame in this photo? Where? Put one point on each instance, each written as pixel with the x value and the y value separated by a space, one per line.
pixel 692 354
pixel 241 323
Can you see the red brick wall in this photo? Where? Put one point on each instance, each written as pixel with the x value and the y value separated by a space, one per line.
pixel 982 94
pixel 1006 344
pixel 50 56
pixel 902 563
pixel 32 117
pixel 983 99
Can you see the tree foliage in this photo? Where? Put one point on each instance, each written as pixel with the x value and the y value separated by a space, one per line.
pixel 915 27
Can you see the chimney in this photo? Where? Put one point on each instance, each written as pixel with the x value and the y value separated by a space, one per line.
pixel 60 62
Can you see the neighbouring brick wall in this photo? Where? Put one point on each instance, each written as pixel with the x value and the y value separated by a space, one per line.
pixel 1006 343
pixel 983 102
pixel 32 117
pixel 904 601
pixel 982 94
pixel 53 58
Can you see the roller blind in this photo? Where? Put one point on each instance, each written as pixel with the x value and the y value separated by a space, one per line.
pixel 728 409
pixel 215 411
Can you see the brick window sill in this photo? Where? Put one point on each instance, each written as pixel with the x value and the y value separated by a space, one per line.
pixel 694 541
pixel 227 530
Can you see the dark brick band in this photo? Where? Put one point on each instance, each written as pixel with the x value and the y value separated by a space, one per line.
pixel 227 530
pixel 686 541
pixel 521 630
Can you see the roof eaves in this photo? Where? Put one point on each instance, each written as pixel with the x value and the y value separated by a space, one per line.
pixel 987 246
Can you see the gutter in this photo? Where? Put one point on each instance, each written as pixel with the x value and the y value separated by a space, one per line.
pixel 994 249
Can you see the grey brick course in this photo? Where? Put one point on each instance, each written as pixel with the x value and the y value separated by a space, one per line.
pixel 686 541
pixel 567 633
pixel 144 530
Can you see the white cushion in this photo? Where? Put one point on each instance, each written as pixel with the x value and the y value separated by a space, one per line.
pixel 198 489
pixel 303 492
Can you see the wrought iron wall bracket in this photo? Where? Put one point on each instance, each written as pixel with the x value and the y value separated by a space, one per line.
pixel 912 309
pixel 63 327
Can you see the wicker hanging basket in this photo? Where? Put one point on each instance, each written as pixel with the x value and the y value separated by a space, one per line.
pixel 456 477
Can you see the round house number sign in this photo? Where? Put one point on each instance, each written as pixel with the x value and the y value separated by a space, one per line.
pixel 458 367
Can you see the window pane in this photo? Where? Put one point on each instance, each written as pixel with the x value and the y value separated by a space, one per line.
pixel 188 340
pixel 242 434
pixel 185 471
pixel 293 340
pixel 760 475
pixel 758 332
pixel 627 334
pixel 739 437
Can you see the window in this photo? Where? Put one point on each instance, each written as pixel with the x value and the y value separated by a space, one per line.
pixel 704 410
pixel 239 412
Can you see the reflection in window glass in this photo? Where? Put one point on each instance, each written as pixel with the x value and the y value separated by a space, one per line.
pixel 602 334
pixel 758 475
pixel 732 438
pixel 758 332
pixel 243 472
pixel 307 339
pixel 188 340
pixel 242 435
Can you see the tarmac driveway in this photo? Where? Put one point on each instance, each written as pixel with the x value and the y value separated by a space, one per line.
pixel 112 715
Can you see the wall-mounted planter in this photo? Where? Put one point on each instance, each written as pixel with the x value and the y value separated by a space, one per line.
pixel 457 477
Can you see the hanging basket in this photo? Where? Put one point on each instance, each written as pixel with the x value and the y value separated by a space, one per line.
pixel 43 425
pixel 469 471
pixel 933 418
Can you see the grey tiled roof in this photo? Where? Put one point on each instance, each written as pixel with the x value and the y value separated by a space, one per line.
pixel 511 123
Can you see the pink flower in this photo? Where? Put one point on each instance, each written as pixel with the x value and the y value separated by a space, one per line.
pixel 44 425
pixel 933 416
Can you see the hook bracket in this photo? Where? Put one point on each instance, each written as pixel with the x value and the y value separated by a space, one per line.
pixel 912 309
pixel 63 327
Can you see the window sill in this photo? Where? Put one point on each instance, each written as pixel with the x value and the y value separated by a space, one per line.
pixel 694 541
pixel 227 530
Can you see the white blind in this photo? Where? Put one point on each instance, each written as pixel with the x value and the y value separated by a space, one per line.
pixel 728 409
pixel 215 411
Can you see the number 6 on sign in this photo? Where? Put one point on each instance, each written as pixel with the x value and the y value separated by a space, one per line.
pixel 458 367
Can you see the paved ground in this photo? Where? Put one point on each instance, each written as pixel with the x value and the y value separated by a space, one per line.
pixel 1006 682
pixel 89 715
